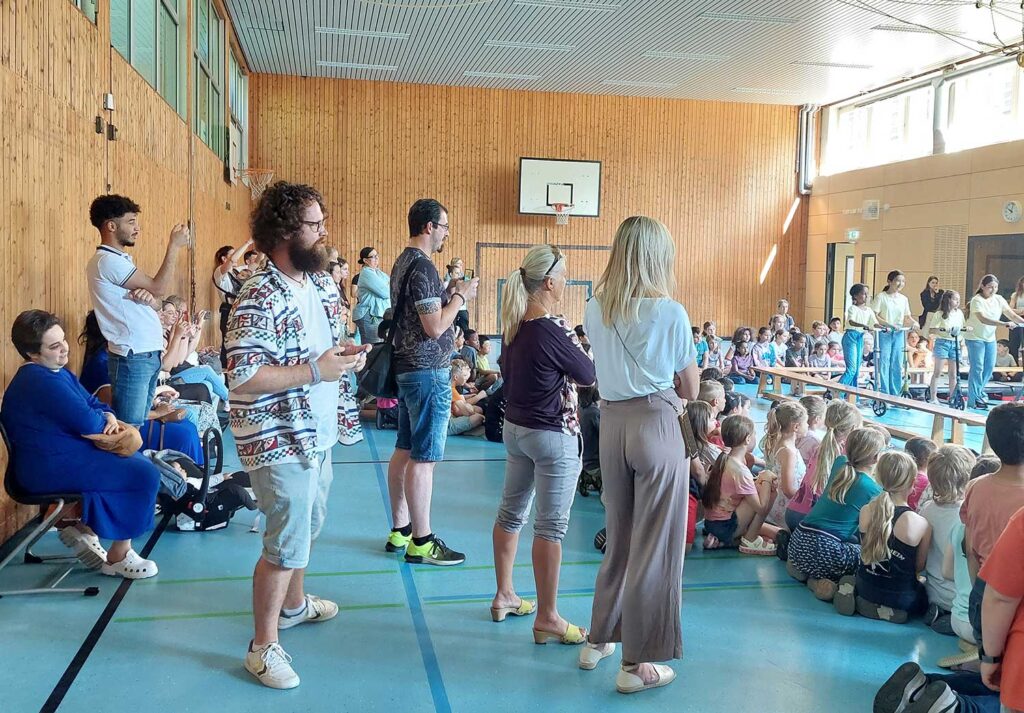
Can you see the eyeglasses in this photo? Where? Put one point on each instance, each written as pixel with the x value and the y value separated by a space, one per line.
pixel 442 226
pixel 372 257
pixel 316 225
pixel 557 254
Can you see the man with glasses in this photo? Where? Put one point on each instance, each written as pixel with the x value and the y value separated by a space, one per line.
pixel 286 366
pixel 424 341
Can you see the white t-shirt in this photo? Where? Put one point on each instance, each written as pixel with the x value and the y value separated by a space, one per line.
pixel 323 397
pixel 835 337
pixel 992 308
pixel 662 343
pixel 861 314
pixel 955 320
pixel 892 308
pixel 127 325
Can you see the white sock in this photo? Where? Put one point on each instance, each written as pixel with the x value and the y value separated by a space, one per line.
pixel 289 613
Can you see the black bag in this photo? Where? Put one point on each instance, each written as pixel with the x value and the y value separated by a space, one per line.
pixel 378 376
pixel 494 416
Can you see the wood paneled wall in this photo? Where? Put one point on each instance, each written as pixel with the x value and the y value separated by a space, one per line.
pixel 55 66
pixel 720 176
pixel 930 207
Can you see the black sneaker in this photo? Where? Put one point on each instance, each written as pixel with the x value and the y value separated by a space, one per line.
pixel 980 406
pixel 904 686
pixel 937 697
pixel 782 545
pixel 601 540
pixel 434 552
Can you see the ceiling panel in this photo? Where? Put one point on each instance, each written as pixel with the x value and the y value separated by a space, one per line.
pixel 779 51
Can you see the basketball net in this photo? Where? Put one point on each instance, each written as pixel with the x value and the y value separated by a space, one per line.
pixel 257 179
pixel 562 211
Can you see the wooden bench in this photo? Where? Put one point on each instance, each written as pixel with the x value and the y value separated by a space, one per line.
pixel 958 419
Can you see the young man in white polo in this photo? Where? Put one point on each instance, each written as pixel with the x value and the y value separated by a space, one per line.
pixel 125 300
pixel 285 371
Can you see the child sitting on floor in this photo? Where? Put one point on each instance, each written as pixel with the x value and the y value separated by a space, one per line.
pixel 819 334
pixel 762 352
pixel 796 356
pixel 819 358
pixel 835 330
pixel 713 394
pixel 809 442
pixel 736 404
pixel 702 423
pixel 486 377
pixel 711 374
pixel 742 371
pixel 714 356
pixel 787 423
pixel 824 548
pixel 736 506
pixel 841 419
pixel 949 469
pixel 466 415
pixel 920 449
pixel 835 354
pixel 779 346
pixel 894 543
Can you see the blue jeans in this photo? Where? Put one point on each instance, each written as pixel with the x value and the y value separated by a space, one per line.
pixel 424 407
pixel 203 374
pixel 133 382
pixel 972 695
pixel 890 373
pixel 983 361
pixel 853 353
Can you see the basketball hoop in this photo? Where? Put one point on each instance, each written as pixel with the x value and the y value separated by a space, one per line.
pixel 256 178
pixel 562 211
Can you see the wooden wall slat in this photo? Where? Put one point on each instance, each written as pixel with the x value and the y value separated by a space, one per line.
pixel 720 176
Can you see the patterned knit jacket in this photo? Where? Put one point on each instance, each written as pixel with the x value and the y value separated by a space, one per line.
pixel 265 329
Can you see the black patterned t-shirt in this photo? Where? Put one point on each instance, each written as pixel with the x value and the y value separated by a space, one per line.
pixel 414 349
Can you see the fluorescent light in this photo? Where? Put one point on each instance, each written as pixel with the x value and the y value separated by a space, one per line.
pixel 696 56
pixel 581 6
pixel 500 75
pixel 270 26
pixel 768 264
pixel 363 33
pixel 628 83
pixel 915 28
pixel 357 65
pixel 529 46
pixel 839 65
pixel 757 90
pixel 757 19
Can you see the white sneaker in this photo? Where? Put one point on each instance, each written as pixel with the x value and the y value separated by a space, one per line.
pixel 87 548
pixel 317 609
pixel 133 566
pixel 272 666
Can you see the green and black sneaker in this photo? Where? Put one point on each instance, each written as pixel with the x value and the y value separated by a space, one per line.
pixel 434 552
pixel 397 541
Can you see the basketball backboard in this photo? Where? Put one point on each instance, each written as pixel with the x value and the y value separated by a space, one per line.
pixel 544 182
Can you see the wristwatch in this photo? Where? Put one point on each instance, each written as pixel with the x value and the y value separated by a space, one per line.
pixel 985 658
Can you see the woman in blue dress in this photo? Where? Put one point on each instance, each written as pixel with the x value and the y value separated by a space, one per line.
pixel 47 413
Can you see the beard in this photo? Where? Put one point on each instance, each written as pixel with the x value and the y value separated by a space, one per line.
pixel 311 259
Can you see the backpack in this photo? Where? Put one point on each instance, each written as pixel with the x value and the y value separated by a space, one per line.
pixel 494 415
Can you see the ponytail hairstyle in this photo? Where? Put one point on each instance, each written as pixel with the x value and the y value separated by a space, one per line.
pixel 896 472
pixel 986 281
pixel 946 302
pixel 893 274
pixel 841 418
pixel 538 265
pixel 862 450
pixel 781 419
pixel 735 431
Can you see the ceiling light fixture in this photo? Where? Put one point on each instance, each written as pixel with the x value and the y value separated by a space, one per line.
pixel 695 56
pixel 346 32
pixel 500 75
pixel 757 90
pixel 916 29
pixel 357 65
pixel 630 83
pixel 580 6
pixel 529 46
pixel 838 65
pixel 757 19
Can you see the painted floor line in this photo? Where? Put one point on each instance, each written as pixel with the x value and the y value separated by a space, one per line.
pixel 247 612
pixel 248 577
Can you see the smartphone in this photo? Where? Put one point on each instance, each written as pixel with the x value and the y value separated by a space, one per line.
pixel 470 274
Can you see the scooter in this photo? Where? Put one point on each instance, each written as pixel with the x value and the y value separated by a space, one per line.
pixel 877 407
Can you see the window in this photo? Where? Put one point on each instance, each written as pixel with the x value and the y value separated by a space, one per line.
pixel 208 119
pixel 895 128
pixel 983 107
pixel 148 34
pixel 238 100
pixel 88 8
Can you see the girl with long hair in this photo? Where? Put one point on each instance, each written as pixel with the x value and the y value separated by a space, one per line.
pixel 987 309
pixel 946 324
pixel 892 312
pixel 787 424
pixel 930 296
pixel 1016 303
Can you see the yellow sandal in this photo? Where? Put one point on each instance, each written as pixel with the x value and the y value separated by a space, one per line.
pixel 573 636
pixel 525 608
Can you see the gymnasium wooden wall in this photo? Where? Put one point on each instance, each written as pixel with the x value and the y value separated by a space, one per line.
pixel 55 66
pixel 720 176
pixel 930 207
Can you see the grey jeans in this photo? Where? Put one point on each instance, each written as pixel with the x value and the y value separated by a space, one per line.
pixel 367 327
pixel 544 463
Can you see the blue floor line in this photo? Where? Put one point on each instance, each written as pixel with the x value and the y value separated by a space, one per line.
pixel 590 590
pixel 434 678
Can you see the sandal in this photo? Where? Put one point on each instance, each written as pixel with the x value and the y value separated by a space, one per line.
pixel 87 548
pixel 712 543
pixel 132 566
pixel 757 546
pixel 525 608
pixel 591 655
pixel 628 682
pixel 573 636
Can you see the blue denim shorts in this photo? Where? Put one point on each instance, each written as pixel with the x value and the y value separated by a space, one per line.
pixel 724 530
pixel 133 380
pixel 424 407
pixel 943 349
pixel 293 500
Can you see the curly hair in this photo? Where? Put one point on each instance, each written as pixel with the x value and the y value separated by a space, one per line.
pixel 278 214
pixel 109 207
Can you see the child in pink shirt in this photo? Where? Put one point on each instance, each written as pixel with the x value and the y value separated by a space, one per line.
pixel 920 449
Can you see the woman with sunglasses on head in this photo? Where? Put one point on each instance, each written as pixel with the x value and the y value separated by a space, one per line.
pixel 374 295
